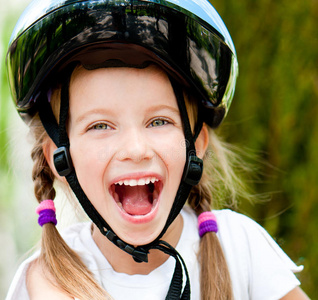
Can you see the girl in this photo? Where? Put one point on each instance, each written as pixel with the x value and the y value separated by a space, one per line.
pixel 119 96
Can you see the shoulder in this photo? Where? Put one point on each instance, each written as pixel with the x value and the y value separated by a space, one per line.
pixel 25 278
pixel 18 288
pixel 235 229
pixel 240 230
pixel 227 217
pixel 31 283
pixel 254 259
pixel 40 285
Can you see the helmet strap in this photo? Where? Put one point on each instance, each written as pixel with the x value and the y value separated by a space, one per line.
pixel 194 165
pixel 191 176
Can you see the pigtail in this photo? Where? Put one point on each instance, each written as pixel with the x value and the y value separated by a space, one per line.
pixel 215 281
pixel 62 266
pixel 223 183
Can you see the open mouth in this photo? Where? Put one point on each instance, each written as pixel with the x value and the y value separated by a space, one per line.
pixel 137 197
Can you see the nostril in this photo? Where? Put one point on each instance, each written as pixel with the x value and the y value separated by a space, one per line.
pixel 134 146
pixel 135 153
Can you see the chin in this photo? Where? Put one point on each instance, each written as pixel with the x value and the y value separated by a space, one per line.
pixel 140 234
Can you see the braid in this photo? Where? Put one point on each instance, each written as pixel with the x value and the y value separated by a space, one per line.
pixel 42 175
pixel 200 198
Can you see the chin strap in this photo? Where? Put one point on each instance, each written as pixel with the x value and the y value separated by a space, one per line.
pixel 175 288
pixel 191 176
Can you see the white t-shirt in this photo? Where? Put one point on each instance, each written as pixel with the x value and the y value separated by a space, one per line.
pixel 259 269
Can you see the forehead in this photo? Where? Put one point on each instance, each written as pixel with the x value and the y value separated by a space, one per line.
pixel 120 87
pixel 121 75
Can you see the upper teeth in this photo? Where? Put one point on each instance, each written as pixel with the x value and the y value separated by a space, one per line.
pixel 134 182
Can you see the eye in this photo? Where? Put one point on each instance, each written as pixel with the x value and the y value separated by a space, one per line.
pixel 158 122
pixel 100 126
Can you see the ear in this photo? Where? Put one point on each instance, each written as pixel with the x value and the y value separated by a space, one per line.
pixel 48 149
pixel 202 141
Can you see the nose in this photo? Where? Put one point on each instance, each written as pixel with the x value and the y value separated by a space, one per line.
pixel 134 146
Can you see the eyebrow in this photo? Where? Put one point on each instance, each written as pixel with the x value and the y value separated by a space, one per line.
pixel 95 111
pixel 163 107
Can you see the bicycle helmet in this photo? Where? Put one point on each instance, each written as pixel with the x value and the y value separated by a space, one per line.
pixel 188 36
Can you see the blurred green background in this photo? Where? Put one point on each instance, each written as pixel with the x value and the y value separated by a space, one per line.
pixel 274 113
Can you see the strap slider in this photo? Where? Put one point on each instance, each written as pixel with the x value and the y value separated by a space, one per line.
pixel 193 171
pixel 62 161
pixel 138 254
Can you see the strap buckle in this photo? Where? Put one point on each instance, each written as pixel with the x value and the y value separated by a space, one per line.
pixel 139 254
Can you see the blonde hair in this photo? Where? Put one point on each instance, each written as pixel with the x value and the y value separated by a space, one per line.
pixel 66 267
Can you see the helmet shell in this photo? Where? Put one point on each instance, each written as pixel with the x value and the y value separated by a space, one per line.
pixel 186 37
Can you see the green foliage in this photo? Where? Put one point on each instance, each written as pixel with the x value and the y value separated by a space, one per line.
pixel 16 225
pixel 3 103
pixel 7 23
pixel 274 112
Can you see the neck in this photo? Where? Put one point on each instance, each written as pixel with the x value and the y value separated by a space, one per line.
pixel 123 263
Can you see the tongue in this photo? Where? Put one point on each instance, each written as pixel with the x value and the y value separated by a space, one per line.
pixel 135 200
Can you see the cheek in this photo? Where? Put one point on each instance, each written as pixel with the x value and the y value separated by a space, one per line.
pixel 89 164
pixel 88 154
pixel 172 152
pixel 177 160
pixel 175 150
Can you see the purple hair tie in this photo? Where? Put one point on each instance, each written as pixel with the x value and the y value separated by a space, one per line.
pixel 46 212
pixel 207 223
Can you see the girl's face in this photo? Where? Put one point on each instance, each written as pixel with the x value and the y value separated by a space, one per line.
pixel 127 146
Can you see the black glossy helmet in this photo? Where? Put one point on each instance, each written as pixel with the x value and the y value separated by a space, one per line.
pixel 186 37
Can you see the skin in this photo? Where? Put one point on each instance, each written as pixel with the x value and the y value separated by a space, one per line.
pixel 120 138
pixel 125 137
pixel 40 287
